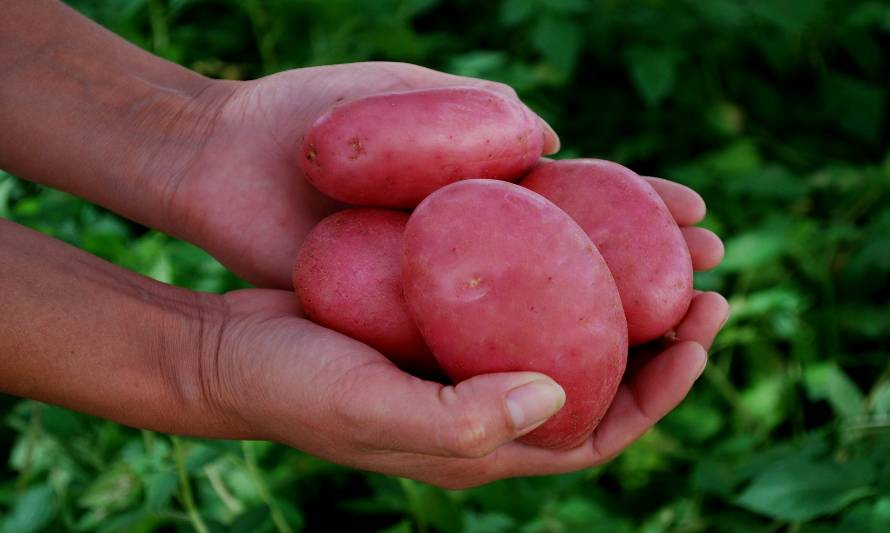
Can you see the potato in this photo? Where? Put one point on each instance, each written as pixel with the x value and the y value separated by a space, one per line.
pixel 499 279
pixel 348 278
pixel 392 150
pixel 635 233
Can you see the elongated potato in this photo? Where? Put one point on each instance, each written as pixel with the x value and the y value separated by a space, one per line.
pixel 348 278
pixel 499 279
pixel 635 233
pixel 392 150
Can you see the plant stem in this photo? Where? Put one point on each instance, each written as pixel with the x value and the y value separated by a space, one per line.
pixel 410 489
pixel 160 34
pixel 185 488
pixel 254 472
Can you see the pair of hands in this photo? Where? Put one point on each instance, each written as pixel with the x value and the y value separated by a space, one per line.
pixel 215 163
pixel 281 377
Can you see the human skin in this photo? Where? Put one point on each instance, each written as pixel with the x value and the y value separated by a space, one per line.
pixel 213 162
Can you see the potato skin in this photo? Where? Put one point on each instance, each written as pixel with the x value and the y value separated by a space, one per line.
pixel 392 150
pixel 635 233
pixel 348 278
pixel 498 279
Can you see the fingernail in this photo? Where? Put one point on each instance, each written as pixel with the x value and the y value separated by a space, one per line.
pixel 534 402
pixel 704 363
pixel 551 139
pixel 728 314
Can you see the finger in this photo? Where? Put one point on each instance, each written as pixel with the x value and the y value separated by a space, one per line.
pixel 551 139
pixel 657 388
pixel 510 460
pixel 391 410
pixel 252 301
pixel 686 205
pixel 654 391
pixel 705 247
pixel 707 314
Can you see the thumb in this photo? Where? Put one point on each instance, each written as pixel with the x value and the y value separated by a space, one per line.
pixel 472 419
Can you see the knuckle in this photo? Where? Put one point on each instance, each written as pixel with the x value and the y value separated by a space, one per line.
pixel 470 437
pixel 347 408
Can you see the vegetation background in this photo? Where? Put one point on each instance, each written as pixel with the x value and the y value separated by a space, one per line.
pixel 776 110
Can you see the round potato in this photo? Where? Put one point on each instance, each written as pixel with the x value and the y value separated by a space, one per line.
pixel 392 150
pixel 499 279
pixel 348 278
pixel 635 233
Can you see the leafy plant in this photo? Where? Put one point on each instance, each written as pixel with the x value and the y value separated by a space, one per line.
pixel 775 110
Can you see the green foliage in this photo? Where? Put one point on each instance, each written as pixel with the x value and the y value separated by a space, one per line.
pixel 775 110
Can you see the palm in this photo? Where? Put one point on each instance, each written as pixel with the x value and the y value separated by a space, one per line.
pixel 332 396
pixel 246 201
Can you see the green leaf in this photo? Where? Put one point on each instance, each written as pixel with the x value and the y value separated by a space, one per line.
pixel 114 490
pixel 802 489
pixel 62 423
pixel 753 249
pixel 7 184
pixel 790 15
pixel 33 511
pixel 252 520
pixel 478 63
pixel 868 14
pixel 715 476
pixel 558 39
pixel 514 12
pixel 402 527
pixel 653 72
pixel 742 157
pixel 880 398
pixel 858 106
pixel 693 421
pixel 867 516
pixel 763 401
pixel 438 509
pixel 568 6
pixel 578 514
pixel 290 514
pixel 826 381
pixel 488 523
pixel 769 182
pixel 680 515
pixel 160 487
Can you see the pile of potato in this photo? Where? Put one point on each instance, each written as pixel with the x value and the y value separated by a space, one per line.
pixel 448 266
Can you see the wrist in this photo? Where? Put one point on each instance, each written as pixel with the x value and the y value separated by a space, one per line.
pixel 199 369
pixel 78 332
pixel 113 123
pixel 178 125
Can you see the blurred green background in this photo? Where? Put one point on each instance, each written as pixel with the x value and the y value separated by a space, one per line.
pixel 776 111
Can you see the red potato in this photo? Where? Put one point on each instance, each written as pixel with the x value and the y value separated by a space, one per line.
pixel 635 233
pixel 498 279
pixel 348 278
pixel 392 150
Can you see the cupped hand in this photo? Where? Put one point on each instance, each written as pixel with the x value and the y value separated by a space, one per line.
pixel 243 197
pixel 319 391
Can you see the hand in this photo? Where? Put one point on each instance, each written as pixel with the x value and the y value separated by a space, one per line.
pixel 243 197
pixel 311 388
